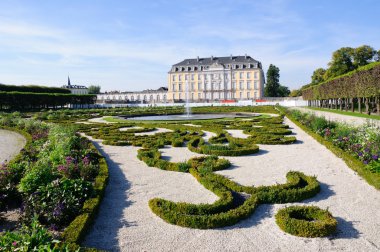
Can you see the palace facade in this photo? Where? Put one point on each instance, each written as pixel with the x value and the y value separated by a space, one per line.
pixel 145 96
pixel 216 79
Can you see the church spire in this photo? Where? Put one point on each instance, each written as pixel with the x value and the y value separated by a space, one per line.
pixel 68 81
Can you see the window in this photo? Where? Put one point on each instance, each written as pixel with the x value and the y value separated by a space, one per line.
pixel 248 75
pixel 233 84
pixel 234 76
pixel 248 85
pixel 241 85
pixel 173 77
pixel 199 96
pixel 248 95
pixel 179 87
pixel 241 75
pixel 179 77
pixel 179 96
pixel 158 98
pixel 173 96
pixel 192 77
pixel 255 75
pixel 164 98
pixel 241 95
pixel 255 95
pixel 185 76
pixel 192 96
pixel 199 86
pixel 199 77
pixel 173 87
pixel 226 76
pixel 192 86
pixel 255 84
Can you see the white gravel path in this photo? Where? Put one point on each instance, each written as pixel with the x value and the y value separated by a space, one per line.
pixel 10 144
pixel 207 135
pixel 237 133
pixel 158 130
pixel 125 222
pixel 99 120
pixel 353 120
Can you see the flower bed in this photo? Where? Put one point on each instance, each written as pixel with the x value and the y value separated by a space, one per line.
pixel 58 176
pixel 358 146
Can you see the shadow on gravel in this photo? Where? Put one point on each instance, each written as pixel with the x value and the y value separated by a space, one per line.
pixel 298 142
pixel 104 232
pixel 262 212
pixel 345 230
pixel 325 193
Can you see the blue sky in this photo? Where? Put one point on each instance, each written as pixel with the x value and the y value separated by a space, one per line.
pixel 131 45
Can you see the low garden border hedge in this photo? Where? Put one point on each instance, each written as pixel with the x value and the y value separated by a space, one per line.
pixel 351 161
pixel 306 221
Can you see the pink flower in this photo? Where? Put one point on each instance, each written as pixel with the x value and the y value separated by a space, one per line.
pixel 14 244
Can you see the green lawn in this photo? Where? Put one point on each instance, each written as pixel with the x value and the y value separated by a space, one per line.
pixel 349 113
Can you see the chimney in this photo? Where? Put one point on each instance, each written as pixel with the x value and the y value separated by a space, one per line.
pixel 212 58
pixel 245 56
pixel 231 56
pixel 197 58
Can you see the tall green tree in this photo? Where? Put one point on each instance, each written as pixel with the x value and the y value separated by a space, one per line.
pixel 273 81
pixel 318 76
pixel 94 89
pixel 342 62
pixel 283 91
pixel 363 55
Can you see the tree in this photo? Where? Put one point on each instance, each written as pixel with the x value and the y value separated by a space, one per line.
pixel 377 56
pixel 283 91
pixel 342 62
pixel 363 55
pixel 295 93
pixel 94 89
pixel 273 81
pixel 318 76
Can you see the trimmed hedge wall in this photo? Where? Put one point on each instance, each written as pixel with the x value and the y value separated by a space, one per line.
pixel 306 221
pixel 33 89
pixel 24 100
pixel 77 229
pixel 363 82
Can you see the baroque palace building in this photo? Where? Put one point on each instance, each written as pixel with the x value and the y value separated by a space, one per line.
pixel 211 79
pixel 216 79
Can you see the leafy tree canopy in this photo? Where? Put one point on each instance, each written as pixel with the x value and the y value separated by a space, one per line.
pixel 94 89
pixel 318 76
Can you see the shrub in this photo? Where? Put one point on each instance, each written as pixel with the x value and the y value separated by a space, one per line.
pixel 306 221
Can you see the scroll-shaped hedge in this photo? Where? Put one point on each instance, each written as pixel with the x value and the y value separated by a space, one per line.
pixel 227 211
pixel 306 221
pixel 234 148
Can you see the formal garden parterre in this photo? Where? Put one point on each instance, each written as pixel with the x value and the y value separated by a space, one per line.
pixel 60 183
